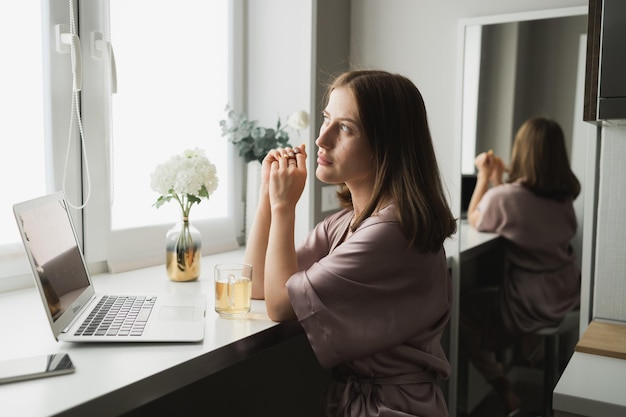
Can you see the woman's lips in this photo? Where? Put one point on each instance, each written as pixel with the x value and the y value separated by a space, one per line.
pixel 322 161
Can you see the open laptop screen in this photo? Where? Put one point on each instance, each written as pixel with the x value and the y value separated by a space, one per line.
pixel 468 183
pixel 51 244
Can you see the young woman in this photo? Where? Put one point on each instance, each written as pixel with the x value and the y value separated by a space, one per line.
pixel 534 212
pixel 370 284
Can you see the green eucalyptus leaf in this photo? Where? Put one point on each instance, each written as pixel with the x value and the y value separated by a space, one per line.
pixel 252 141
pixel 162 200
pixel 203 192
pixel 193 199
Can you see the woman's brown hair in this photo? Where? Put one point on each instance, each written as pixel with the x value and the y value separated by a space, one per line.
pixel 539 160
pixel 393 119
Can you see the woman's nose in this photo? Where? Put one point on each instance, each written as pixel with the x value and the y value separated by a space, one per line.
pixel 323 139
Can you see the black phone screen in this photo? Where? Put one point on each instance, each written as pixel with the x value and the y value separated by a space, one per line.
pixel 35 367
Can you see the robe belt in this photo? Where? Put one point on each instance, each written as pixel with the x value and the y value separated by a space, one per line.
pixel 354 384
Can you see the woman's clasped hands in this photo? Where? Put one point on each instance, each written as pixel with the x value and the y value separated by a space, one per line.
pixel 490 166
pixel 284 170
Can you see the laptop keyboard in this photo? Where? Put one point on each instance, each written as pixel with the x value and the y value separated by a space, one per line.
pixel 118 316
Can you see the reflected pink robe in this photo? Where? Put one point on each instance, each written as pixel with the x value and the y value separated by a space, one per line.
pixel 374 310
pixel 542 282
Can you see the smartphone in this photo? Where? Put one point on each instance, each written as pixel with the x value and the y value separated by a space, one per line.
pixel 20 369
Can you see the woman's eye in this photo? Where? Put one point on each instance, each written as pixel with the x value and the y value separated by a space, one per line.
pixel 344 128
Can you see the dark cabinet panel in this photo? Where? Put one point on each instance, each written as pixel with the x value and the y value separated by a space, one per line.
pixel 605 83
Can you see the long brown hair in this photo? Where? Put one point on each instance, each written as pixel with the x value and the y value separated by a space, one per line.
pixel 539 160
pixel 393 118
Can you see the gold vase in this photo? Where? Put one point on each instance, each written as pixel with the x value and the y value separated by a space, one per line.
pixel 183 252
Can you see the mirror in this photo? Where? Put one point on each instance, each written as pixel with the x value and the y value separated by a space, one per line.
pixel 515 67
pixel 514 71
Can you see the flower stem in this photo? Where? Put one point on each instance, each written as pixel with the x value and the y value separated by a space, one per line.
pixel 185 248
pixel 184 203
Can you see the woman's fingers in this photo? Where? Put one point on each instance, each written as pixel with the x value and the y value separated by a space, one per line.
pixel 300 153
pixel 289 157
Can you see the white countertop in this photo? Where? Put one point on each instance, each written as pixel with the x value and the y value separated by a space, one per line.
pixel 113 378
pixel 593 386
pixel 472 242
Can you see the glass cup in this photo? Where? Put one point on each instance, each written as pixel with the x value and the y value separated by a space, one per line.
pixel 233 289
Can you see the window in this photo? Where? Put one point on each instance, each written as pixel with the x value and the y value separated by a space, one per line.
pixel 172 87
pixel 22 165
pixel 176 71
pixel 22 162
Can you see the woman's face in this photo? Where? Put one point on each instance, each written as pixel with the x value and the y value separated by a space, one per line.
pixel 344 156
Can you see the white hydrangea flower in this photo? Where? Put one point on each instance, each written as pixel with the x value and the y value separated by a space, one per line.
pixel 186 178
pixel 298 120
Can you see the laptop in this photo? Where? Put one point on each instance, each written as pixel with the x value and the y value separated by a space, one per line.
pixel 70 299
pixel 468 183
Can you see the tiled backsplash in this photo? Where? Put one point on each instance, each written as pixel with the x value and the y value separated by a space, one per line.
pixel 610 271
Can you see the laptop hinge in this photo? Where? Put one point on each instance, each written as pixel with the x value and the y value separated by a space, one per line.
pixel 75 319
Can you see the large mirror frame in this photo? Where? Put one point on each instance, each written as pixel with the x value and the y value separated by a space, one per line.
pixel 504 80
pixel 492 126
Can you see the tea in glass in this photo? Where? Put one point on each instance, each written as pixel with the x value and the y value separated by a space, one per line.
pixel 233 289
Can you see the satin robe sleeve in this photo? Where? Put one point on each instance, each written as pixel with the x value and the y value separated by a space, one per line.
pixel 369 294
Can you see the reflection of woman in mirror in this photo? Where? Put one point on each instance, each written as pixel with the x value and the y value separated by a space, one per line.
pixel 533 210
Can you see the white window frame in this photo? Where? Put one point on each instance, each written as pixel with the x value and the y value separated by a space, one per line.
pixel 15 272
pixel 122 250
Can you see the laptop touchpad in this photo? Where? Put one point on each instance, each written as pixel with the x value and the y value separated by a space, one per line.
pixel 176 313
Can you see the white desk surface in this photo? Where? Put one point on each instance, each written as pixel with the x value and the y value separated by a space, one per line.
pixel 145 371
pixel 593 386
pixel 473 242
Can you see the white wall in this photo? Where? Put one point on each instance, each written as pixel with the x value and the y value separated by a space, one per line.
pixel 279 79
pixel 416 38
pixel 419 40
pixel 610 264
